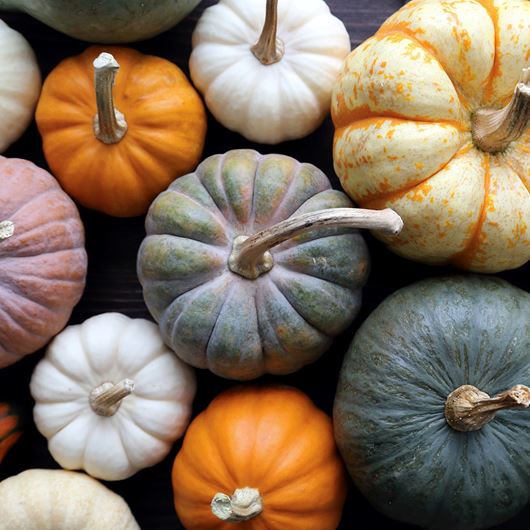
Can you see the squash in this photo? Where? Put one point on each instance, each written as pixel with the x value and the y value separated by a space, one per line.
pixel 20 84
pixel 97 21
pixel 42 258
pixel 241 269
pixel 10 430
pixel 414 420
pixel 263 457
pixel 110 397
pixel 117 159
pixel 61 500
pixel 274 85
pixel 428 123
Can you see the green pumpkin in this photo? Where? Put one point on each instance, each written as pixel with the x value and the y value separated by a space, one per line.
pixel 419 457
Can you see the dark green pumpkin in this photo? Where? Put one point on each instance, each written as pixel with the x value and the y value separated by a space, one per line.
pixel 417 347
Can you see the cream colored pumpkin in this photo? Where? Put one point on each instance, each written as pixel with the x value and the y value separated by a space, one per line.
pixel 110 397
pixel 408 135
pixel 20 83
pixel 282 89
pixel 46 499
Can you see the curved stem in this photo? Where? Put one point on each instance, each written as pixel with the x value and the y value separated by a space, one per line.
pixel 269 49
pixel 7 229
pixel 105 399
pixel 109 123
pixel 250 256
pixel 243 505
pixel 493 129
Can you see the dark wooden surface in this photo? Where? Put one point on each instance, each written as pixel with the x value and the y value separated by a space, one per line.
pixel 112 285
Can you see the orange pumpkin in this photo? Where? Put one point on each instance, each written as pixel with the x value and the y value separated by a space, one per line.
pixel 9 429
pixel 263 457
pixel 116 159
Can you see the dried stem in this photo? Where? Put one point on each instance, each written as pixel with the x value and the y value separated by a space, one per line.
pixel 243 505
pixel 106 399
pixel 269 49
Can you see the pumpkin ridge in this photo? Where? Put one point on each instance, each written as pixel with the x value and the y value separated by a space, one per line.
pixel 493 13
pixel 38 196
pixel 294 173
pixel 518 173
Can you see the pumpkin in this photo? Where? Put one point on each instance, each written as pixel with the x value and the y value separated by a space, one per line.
pixel 110 398
pixel 9 429
pixel 263 457
pixel 97 21
pixel 267 69
pixel 414 420
pixel 61 500
pixel 247 267
pixel 428 123
pixel 42 258
pixel 117 159
pixel 20 84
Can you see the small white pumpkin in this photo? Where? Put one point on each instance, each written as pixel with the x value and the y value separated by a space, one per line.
pixel 20 84
pixel 53 499
pixel 110 397
pixel 269 80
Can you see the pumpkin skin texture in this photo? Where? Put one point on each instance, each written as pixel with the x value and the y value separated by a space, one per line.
pixel 404 107
pixel 9 429
pixel 272 439
pixel 45 499
pixel 166 128
pixel 42 264
pixel 416 348
pixel 236 327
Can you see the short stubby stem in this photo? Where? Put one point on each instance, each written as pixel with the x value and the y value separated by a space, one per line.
pixel 243 505
pixel 468 409
pixel 7 229
pixel 269 49
pixel 106 399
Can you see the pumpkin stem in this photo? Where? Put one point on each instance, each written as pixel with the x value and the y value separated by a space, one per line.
pixel 269 49
pixel 109 123
pixel 243 505
pixel 494 129
pixel 105 399
pixel 7 229
pixel 250 255
pixel 468 409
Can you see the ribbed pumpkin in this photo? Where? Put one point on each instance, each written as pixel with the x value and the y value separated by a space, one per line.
pixel 419 128
pixel 117 159
pixel 262 457
pixel 9 429
pixel 42 258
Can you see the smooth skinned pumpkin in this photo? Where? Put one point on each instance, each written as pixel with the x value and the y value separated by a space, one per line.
pixel 117 158
pixel 247 265
pixel 42 258
pixel 414 420
pixel 10 428
pixel 261 457
pixel 419 128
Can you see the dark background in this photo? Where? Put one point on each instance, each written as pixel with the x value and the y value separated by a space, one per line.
pixel 112 284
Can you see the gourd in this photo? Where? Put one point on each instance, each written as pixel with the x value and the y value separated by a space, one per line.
pixel 247 267
pixel 10 428
pixel 20 84
pixel 116 159
pixel 427 410
pixel 266 69
pixel 96 21
pixel 42 258
pixel 61 500
pixel 110 397
pixel 428 123
pixel 262 457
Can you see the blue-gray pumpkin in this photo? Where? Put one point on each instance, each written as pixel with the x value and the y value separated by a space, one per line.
pixel 414 420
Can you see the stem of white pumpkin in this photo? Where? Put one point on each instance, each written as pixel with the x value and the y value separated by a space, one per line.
pixel 269 49
pixel 109 123
pixel 106 399
pixel 250 256
pixel 7 229
pixel 243 505
pixel 494 129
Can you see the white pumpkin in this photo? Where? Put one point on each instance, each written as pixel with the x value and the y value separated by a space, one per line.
pixel 110 397
pixel 268 85
pixel 20 84
pixel 46 499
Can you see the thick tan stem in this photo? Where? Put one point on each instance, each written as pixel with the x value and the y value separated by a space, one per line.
pixel 109 123
pixel 250 256
pixel 243 505
pixel 269 49
pixel 468 409
pixel 106 399
pixel 7 229
pixel 495 129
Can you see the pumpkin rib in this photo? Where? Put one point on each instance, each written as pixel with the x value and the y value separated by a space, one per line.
pixel 36 197
pixel 493 13
pixel 518 173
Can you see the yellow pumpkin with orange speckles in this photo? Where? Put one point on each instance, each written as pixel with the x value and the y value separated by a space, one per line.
pixel 431 117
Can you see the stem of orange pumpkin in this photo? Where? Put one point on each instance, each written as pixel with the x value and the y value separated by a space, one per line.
pixel 7 229
pixel 243 505
pixel 106 399
pixel 269 49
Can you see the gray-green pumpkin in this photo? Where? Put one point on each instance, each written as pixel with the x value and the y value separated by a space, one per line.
pixel 413 418
pixel 227 303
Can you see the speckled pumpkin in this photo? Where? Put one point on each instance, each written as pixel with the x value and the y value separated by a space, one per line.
pixel 413 415
pixel 9 429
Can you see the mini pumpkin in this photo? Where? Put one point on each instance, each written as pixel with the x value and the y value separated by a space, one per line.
pixel 10 428
pixel 116 159
pixel 247 266
pixel 110 397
